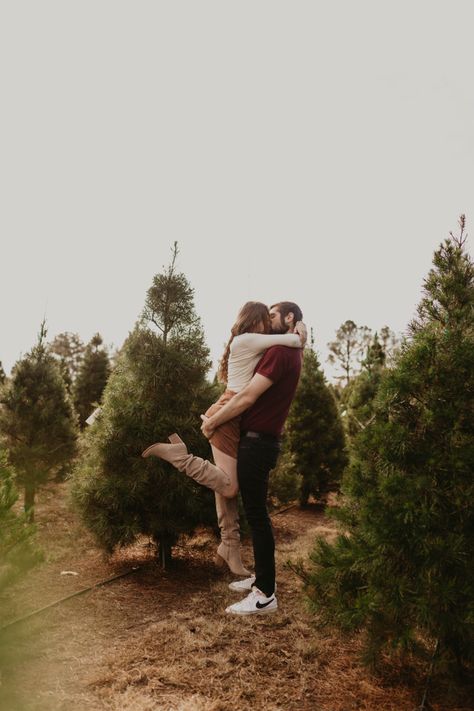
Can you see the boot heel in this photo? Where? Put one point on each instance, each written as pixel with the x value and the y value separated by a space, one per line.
pixel 232 561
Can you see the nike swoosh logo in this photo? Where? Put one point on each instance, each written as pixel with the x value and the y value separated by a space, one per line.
pixel 264 604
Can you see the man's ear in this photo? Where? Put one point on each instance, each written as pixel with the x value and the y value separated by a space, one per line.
pixel 290 317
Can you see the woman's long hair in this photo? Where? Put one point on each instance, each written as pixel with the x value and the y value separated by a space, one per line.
pixel 249 318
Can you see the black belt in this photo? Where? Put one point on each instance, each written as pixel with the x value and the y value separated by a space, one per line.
pixel 262 435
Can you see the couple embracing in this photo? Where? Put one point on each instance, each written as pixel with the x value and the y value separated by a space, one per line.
pixel 261 367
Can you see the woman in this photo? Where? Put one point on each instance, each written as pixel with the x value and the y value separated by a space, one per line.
pixel 250 337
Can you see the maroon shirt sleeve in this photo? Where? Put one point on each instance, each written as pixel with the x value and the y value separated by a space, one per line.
pixel 272 365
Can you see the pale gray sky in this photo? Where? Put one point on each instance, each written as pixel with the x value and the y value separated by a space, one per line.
pixel 311 151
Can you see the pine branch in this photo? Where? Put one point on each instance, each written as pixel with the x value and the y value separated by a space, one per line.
pixel 299 572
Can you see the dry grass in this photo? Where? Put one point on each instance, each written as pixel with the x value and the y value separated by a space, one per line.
pixel 161 640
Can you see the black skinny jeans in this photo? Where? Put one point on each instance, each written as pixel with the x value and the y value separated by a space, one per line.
pixel 256 458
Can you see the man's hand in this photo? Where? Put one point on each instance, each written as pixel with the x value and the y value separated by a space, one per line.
pixel 302 332
pixel 206 428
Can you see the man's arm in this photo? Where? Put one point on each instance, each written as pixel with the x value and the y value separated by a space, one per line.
pixel 236 405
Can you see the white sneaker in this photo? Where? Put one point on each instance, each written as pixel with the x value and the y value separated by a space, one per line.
pixel 256 603
pixel 246 584
pixel 240 585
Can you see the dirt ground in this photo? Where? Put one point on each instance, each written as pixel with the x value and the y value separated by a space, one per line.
pixel 157 639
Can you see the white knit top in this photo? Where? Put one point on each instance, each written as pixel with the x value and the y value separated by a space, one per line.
pixel 246 350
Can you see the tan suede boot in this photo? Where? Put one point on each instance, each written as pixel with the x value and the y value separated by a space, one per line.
pixel 229 548
pixel 201 470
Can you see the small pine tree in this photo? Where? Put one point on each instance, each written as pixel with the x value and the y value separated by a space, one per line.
pixel 37 420
pixel 403 571
pixel 91 378
pixel 315 435
pixel 285 480
pixel 157 387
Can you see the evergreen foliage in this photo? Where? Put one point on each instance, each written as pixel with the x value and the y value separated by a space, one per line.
pixel 315 435
pixel 3 375
pixel 360 394
pixel 285 480
pixel 91 378
pixel 17 553
pixel 157 387
pixel 390 345
pixel 68 349
pixel 403 569
pixel 37 420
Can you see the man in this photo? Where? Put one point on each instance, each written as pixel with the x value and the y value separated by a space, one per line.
pixel 264 404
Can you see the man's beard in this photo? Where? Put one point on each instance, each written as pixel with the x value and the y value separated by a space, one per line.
pixel 280 327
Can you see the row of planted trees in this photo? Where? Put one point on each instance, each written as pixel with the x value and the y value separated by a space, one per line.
pixel 44 404
pixel 399 433
pixel 158 384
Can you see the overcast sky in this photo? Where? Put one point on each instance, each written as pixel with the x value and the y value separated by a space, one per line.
pixel 312 151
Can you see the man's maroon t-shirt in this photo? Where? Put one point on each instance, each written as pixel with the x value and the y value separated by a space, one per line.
pixel 282 365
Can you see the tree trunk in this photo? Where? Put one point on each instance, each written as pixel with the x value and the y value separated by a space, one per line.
pixel 164 551
pixel 30 491
pixel 304 495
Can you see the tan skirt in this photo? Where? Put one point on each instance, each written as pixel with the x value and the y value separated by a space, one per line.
pixel 227 436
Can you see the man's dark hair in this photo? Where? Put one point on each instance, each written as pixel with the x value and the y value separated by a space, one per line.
pixel 286 307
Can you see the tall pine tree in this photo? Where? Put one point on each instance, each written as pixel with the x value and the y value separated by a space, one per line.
pixel 348 348
pixel 157 387
pixel 403 570
pixel 37 420
pixel 315 435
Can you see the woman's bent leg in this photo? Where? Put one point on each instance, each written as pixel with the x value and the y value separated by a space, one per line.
pixel 201 470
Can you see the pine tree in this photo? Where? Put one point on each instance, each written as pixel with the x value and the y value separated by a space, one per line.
pixel 91 378
pixel 157 387
pixel 348 349
pixel 68 349
pixel 37 420
pixel 285 481
pixel 390 344
pixel 315 434
pixel 403 570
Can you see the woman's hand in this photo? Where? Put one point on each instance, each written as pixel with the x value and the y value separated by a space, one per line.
pixel 206 428
pixel 302 332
